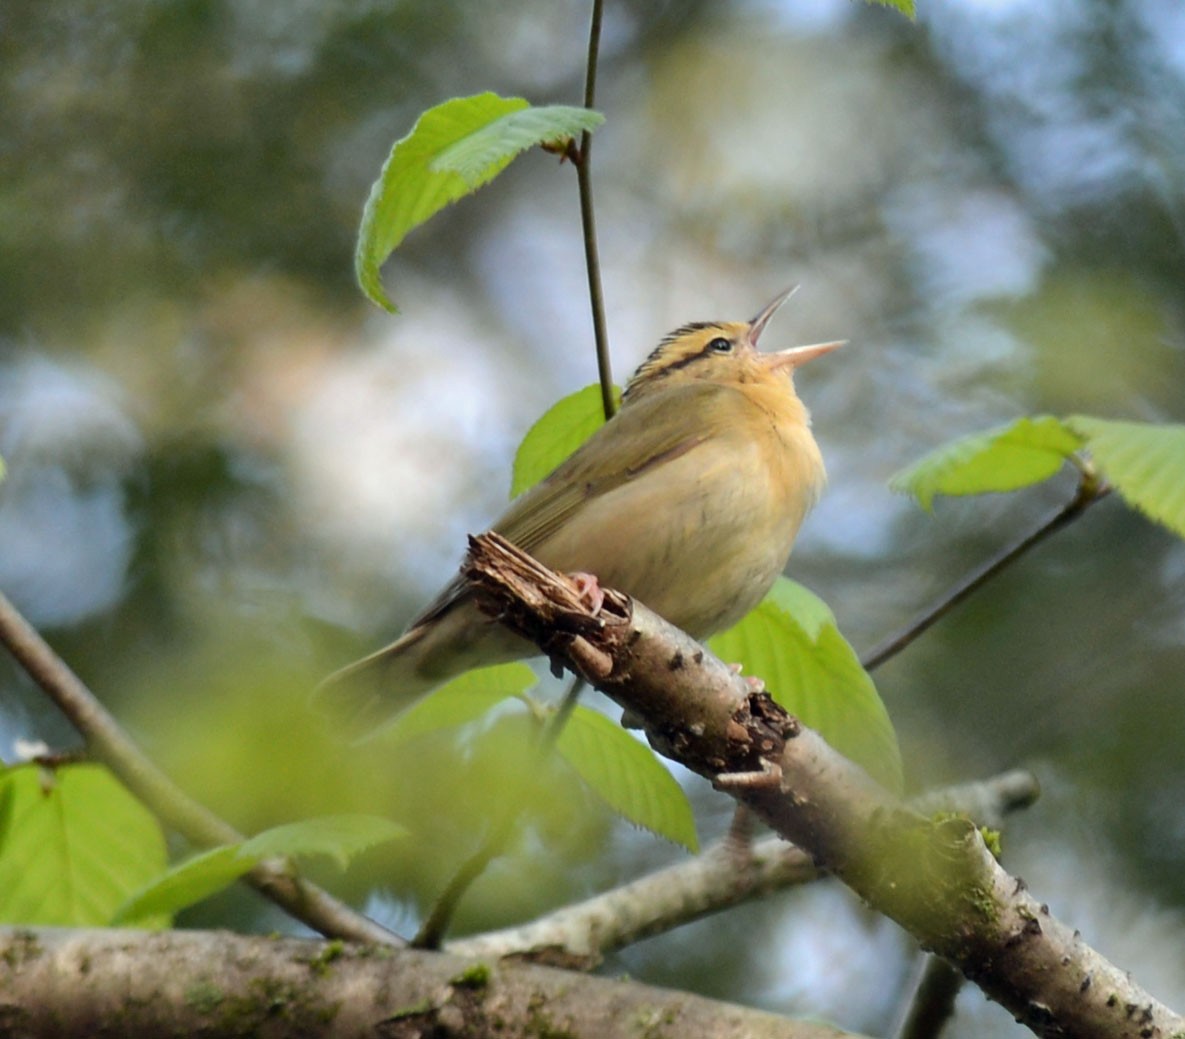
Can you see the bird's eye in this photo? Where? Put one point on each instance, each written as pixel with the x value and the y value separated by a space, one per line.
pixel 720 346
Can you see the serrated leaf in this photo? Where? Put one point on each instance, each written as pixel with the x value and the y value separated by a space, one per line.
pixel 466 698
pixel 206 873
pixel 1007 458
pixel 791 641
pixel 558 432
pixel 191 880
pixel 341 837
pixel 453 150
pixel 73 845
pixel 1144 462
pixel 627 776
pixel 493 145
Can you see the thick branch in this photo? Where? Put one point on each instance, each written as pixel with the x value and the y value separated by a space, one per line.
pixel 934 877
pixel 712 882
pixel 59 984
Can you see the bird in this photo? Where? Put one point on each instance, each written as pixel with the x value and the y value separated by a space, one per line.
pixel 688 499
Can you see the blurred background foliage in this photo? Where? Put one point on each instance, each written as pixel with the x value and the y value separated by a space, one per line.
pixel 228 474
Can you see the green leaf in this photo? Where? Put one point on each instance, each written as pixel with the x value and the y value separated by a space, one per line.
pixel 453 150
pixel 191 880
pixel 74 843
pixel 906 7
pixel 208 872
pixel 791 641
pixel 627 775
pixel 1021 453
pixel 559 431
pixel 483 153
pixel 339 836
pixel 466 698
pixel 1144 462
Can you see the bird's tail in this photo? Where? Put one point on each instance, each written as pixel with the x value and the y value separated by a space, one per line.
pixel 363 697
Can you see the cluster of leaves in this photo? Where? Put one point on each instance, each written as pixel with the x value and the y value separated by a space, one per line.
pixel 77 849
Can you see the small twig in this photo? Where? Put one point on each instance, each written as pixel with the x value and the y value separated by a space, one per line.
pixel 1090 490
pixel 432 931
pixel 588 224
pixel 933 1000
pixel 107 742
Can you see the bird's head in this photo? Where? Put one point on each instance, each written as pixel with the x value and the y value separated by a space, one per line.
pixel 719 351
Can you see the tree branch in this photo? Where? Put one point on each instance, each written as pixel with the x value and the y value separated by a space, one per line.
pixel 60 984
pixel 712 882
pixel 106 741
pixel 935 877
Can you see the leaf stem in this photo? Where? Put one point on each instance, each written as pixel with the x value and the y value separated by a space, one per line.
pixel 1090 490
pixel 432 932
pixel 107 742
pixel 588 222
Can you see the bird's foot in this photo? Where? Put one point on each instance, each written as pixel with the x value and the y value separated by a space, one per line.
pixel 588 588
pixel 768 778
pixel 755 684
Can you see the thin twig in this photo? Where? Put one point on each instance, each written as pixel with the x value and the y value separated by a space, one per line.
pixel 933 1000
pixel 1090 490
pixel 432 932
pixel 588 224
pixel 107 742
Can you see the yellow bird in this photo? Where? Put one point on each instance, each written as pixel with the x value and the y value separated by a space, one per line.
pixel 689 499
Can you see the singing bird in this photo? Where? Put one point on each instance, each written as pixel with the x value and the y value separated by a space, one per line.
pixel 688 499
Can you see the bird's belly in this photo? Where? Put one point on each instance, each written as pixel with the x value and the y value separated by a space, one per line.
pixel 700 543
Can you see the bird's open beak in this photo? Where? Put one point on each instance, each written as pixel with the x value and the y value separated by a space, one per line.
pixel 797 355
pixel 757 325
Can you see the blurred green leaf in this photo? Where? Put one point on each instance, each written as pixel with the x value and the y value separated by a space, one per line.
pixel 204 874
pixel 559 431
pixel 1021 453
pixel 906 7
pixel 464 699
pixel 791 641
pixel 341 837
pixel 191 880
pixel 1144 462
pixel 74 843
pixel 453 150
pixel 627 775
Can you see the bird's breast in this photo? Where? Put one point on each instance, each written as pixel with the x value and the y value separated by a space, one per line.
pixel 702 537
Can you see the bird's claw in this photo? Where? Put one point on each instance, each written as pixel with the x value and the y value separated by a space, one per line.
pixel 588 588
pixel 768 778
pixel 755 684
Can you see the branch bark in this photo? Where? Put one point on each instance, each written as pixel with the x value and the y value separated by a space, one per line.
pixel 935 877
pixel 718 879
pixel 61 984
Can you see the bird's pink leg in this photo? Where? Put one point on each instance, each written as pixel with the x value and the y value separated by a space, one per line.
pixel 589 590
pixel 755 684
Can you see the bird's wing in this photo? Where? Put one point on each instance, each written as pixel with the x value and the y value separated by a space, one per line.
pixel 638 440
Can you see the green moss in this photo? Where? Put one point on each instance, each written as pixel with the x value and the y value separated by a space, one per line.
pixel 417 1009
pixel 475 977
pixel 333 950
pixel 204 997
pixel 24 948
pixel 992 839
pixel 540 1024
